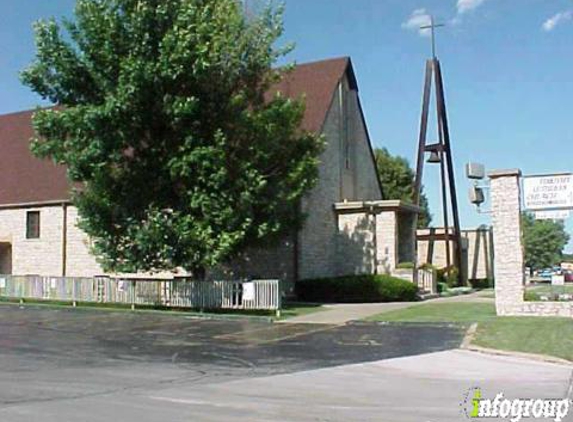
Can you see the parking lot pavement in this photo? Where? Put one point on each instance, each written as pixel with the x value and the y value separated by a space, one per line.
pixel 55 358
pixel 91 365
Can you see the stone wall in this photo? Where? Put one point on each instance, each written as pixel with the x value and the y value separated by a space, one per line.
pixel 479 255
pixel 387 242
pixel 80 262
pixel 508 252
pixel 45 255
pixel 356 243
pixel 508 248
pixel 34 256
pixel 273 262
pixel 406 237
pixel 432 249
pixel 339 180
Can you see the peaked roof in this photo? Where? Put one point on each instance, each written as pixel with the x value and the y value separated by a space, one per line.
pixel 317 82
pixel 26 179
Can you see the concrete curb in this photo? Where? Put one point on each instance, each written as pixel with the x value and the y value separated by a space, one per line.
pixel 470 334
pixel 469 337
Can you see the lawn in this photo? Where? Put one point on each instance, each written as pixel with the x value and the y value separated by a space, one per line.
pixel 541 335
pixel 547 289
pixel 461 312
pixel 288 310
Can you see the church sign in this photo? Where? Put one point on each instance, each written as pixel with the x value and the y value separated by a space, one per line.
pixel 548 192
pixel 552 215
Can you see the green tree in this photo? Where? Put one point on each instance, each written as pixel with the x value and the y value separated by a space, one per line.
pixel 181 160
pixel 543 240
pixel 397 178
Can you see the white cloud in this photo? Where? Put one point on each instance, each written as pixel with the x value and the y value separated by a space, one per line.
pixel 556 19
pixel 418 18
pixel 464 6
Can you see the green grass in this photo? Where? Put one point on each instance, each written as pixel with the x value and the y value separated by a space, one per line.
pixel 548 289
pixel 289 309
pixel 534 293
pixel 487 293
pixel 540 335
pixel 462 312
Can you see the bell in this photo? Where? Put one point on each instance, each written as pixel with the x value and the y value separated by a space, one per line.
pixel 434 157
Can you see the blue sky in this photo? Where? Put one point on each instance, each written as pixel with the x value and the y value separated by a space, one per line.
pixel 507 64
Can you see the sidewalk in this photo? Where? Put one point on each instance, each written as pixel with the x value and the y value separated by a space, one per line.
pixel 341 313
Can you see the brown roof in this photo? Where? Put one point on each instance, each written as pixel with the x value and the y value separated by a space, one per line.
pixel 315 81
pixel 26 179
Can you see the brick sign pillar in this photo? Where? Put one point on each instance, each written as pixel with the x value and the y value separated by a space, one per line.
pixel 507 241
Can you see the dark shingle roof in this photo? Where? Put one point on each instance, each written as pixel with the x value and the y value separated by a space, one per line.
pixel 315 81
pixel 24 178
pixel 27 179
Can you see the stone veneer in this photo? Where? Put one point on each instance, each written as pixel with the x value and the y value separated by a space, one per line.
pixel 508 251
pixel 478 255
pixel 45 255
pixel 370 234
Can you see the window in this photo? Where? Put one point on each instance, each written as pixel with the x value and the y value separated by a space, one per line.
pixel 33 225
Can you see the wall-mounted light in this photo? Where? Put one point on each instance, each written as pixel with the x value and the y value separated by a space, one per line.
pixel 477 196
pixel 475 171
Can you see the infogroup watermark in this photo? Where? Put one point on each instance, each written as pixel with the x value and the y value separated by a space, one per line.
pixel 475 406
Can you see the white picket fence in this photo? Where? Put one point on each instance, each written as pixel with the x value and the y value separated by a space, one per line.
pixel 427 281
pixel 176 293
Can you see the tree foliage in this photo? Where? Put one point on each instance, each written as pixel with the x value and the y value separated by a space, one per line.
pixel 397 178
pixel 543 240
pixel 181 159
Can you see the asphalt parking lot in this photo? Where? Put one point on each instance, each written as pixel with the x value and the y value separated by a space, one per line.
pixel 63 364
pixel 80 338
pixel 50 354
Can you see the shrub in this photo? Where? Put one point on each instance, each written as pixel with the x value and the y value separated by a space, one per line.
pixel 448 275
pixel 482 283
pixel 429 267
pixel 442 287
pixel 405 266
pixel 530 296
pixel 356 288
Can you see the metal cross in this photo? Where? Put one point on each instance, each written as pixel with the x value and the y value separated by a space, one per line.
pixel 431 27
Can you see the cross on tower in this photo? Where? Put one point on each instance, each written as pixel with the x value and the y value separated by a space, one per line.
pixel 432 26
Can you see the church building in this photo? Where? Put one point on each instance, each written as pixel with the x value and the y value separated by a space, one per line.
pixel 350 227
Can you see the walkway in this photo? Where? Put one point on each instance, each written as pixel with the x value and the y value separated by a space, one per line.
pixel 341 313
